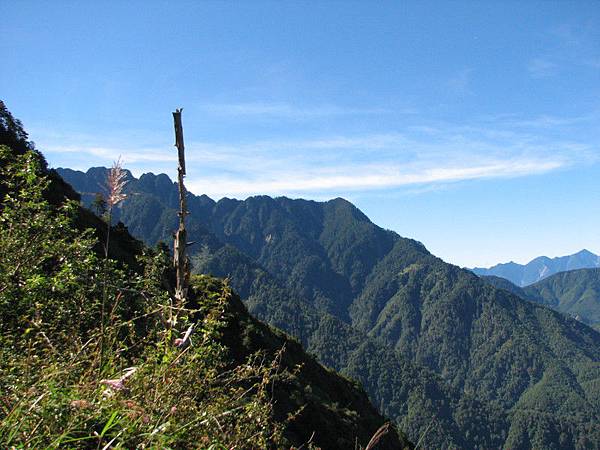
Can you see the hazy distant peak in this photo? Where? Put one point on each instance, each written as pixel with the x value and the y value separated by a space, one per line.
pixel 541 267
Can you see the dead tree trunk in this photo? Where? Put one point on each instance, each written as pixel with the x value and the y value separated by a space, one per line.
pixel 179 257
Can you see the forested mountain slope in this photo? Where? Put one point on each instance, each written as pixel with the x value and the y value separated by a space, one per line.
pixel 420 402
pixel 334 270
pixel 503 283
pixel 88 358
pixel 426 407
pixel 575 293
pixel 540 267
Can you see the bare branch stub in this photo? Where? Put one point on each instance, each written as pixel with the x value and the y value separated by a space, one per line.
pixel 179 252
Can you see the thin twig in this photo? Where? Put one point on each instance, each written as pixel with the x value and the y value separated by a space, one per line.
pixel 424 434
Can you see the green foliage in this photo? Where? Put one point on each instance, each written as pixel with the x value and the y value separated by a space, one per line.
pixel 450 359
pixel 68 380
pixel 50 294
pixel 576 293
pixel 45 262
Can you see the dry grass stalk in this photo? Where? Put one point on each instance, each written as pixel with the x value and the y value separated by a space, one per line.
pixel 381 431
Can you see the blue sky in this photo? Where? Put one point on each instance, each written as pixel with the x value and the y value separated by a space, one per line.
pixel 470 126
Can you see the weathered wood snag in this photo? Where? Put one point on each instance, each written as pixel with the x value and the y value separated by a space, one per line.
pixel 179 257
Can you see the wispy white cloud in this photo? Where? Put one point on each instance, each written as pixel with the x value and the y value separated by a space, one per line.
pixel 286 110
pixel 139 155
pixel 546 121
pixel 363 178
pixel 414 157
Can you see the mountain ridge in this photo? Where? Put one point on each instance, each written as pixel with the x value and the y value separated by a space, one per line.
pixel 541 267
pixel 509 353
pixel 574 292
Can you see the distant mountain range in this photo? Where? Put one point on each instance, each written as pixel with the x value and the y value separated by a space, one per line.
pixel 540 268
pixel 457 363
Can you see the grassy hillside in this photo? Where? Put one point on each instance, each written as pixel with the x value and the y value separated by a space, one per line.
pixel 91 353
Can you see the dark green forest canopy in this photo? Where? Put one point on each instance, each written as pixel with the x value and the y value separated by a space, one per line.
pixel 574 292
pixel 60 368
pixel 453 360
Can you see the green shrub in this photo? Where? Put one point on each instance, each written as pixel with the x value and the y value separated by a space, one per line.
pixel 145 392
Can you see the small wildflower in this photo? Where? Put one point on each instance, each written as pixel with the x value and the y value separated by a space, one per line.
pixel 118 384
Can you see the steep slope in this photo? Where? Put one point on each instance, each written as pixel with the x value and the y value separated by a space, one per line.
pixel 328 410
pixel 575 293
pixel 423 405
pixel 254 383
pixel 485 342
pixel 540 268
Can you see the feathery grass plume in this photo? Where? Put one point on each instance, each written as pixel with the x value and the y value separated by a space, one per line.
pixel 115 183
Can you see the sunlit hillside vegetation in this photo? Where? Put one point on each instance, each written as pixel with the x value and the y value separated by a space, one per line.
pixel 94 354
